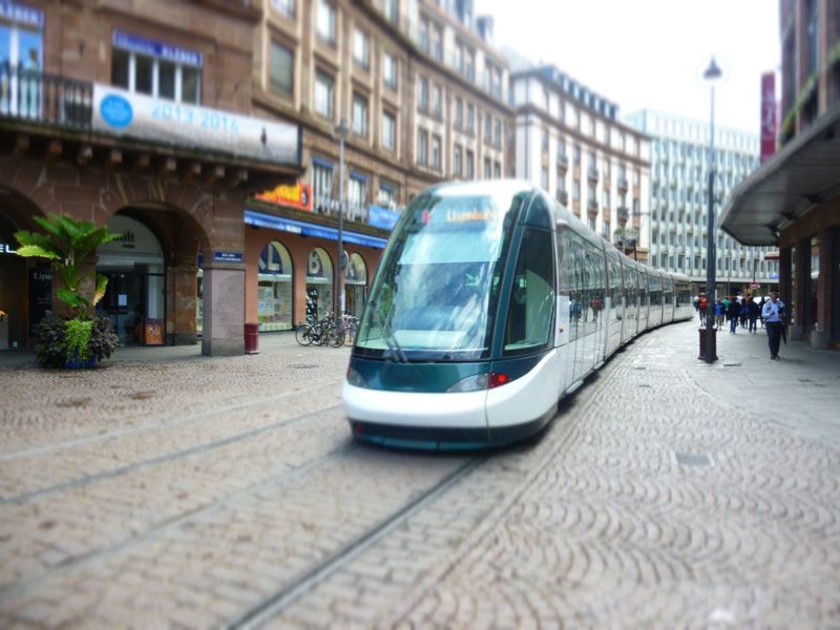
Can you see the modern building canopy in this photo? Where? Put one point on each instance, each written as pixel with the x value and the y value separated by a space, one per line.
pixel 803 175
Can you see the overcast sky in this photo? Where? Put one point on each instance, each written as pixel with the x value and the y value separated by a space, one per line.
pixel 651 53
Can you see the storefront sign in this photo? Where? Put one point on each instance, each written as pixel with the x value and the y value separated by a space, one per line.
pixel 382 217
pixel 298 196
pixel 153 332
pixel 121 113
pixel 228 257
pixel 159 50
pixel 271 222
pixel 21 14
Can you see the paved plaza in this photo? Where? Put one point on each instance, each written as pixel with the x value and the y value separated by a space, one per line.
pixel 167 489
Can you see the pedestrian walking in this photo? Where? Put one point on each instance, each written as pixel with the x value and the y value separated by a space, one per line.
pixel 773 314
pixel 754 312
pixel 761 304
pixel 733 314
pixel 720 314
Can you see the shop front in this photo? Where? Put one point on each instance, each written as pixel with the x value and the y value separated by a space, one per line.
pixel 135 300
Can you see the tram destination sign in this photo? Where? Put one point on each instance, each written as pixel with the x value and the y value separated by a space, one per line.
pixel 163 121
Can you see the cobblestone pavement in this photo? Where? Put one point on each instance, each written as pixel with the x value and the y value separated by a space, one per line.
pixel 194 492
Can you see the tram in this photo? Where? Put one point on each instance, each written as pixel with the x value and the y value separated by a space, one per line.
pixel 490 304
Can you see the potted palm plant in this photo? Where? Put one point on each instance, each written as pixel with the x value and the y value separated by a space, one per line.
pixel 77 338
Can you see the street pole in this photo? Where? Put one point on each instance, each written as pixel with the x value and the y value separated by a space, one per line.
pixel 712 73
pixel 342 130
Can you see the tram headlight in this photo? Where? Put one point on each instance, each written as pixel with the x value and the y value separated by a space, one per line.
pixel 474 383
pixel 355 379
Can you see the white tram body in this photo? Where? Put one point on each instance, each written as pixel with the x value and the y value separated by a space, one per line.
pixel 490 304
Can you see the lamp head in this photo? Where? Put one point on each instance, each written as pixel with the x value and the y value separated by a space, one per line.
pixel 713 72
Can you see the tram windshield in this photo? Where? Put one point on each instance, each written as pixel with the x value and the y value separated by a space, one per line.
pixel 436 291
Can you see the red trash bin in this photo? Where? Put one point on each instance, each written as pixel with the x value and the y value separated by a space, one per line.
pixel 252 338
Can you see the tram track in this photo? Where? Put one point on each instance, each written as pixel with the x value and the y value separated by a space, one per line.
pixel 97 557
pixel 162 424
pixel 313 575
pixel 168 457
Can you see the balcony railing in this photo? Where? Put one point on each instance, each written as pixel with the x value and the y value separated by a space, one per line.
pixel 40 98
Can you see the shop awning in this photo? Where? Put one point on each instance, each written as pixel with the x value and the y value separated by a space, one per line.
pixel 802 176
pixel 281 224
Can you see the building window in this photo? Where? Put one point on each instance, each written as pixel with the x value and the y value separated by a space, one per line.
pixel 286 8
pixel 497 133
pixel 576 190
pixel 173 73
pixel 391 10
pixel 361 49
pixel 437 101
pixel 459 113
pixel 360 115
pixel 497 170
pixel 576 154
pixel 457 161
pixel 488 168
pixel 470 166
pixel 322 183
pixel 488 129
pixel 387 196
pixel 324 94
pixel 422 147
pixel 544 178
pixel 356 194
pixel 470 118
pixel 325 22
pixel 389 131
pixel 281 70
pixel 422 94
pixel 389 70
pixel 436 155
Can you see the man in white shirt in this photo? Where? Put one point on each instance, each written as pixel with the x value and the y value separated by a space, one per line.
pixel 773 314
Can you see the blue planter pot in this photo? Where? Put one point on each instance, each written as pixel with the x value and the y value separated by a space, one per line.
pixel 73 363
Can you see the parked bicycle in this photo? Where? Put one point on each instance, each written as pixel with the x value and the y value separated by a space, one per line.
pixel 350 323
pixel 325 331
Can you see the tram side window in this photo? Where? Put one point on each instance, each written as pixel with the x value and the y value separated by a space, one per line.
pixel 528 324
pixel 576 294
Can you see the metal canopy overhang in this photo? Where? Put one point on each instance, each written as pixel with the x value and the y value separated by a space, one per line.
pixel 801 176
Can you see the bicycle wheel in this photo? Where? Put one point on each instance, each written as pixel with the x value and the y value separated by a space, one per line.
pixel 303 334
pixel 349 335
pixel 336 337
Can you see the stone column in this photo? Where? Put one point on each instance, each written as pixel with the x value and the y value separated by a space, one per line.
pixel 183 290
pixel 224 297
pixel 821 334
pixel 803 280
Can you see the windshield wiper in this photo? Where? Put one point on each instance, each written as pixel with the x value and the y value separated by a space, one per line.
pixel 393 345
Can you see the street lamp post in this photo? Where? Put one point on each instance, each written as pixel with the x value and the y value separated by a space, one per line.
pixel 342 130
pixel 711 74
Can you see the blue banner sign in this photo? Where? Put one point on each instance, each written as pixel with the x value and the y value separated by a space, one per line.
pixel 228 257
pixel 382 217
pixel 258 219
pixel 159 50
pixel 21 14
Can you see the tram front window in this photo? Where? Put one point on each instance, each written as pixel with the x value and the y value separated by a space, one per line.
pixel 436 291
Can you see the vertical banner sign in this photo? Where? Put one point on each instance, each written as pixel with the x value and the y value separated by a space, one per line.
pixel 40 296
pixel 768 116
